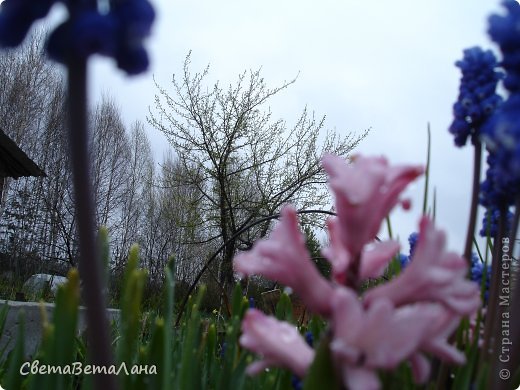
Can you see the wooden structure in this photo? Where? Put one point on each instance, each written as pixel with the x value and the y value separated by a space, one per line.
pixel 299 310
pixel 14 162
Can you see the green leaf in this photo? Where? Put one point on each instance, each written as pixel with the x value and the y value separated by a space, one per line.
pixel 464 374
pixel 284 308
pixel 427 173
pixel 133 286
pixel 155 355
pixel 16 357
pixel 233 356
pixel 321 374
pixel 65 320
pixel 167 381
pixel 190 376
pixel 210 360
pixel 3 317
pixel 236 305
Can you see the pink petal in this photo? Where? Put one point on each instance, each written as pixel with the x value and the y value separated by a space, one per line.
pixel 257 367
pixel 336 253
pixel 359 378
pixel 433 276
pixel 279 343
pixel 347 318
pixel 284 257
pixel 392 335
pixel 384 336
pixel 365 192
pixel 420 368
pixel 440 330
pixel 375 259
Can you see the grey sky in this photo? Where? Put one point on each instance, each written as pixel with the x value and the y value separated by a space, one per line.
pixel 387 65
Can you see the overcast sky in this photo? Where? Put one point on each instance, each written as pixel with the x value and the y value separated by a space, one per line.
pixel 386 65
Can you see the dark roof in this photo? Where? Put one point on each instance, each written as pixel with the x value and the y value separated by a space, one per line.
pixel 14 162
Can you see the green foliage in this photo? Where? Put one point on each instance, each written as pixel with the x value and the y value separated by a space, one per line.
pixel 284 308
pixel 202 353
pixel 13 379
pixel 314 248
pixel 322 374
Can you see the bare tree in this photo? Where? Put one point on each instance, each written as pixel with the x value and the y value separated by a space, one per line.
pixel 32 111
pixel 244 164
pixel 181 219
pixel 111 156
pixel 139 177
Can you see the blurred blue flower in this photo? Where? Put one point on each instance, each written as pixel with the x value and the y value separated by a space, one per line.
pixel 118 33
pixel 503 29
pixel 477 98
pixel 296 383
pixel 404 260
pixel 502 137
pixel 309 338
pixel 497 189
pixel 132 61
pixel 15 22
pixel 490 222
pixel 92 33
pixel 412 240
pixel 223 348
pixel 502 132
pixel 477 273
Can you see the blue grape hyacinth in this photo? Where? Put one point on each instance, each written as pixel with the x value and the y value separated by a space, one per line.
pixel 503 30
pixel 477 97
pixel 502 132
pixel 412 240
pixel 117 33
pixel 490 223
pixel 477 273
pixel 17 16
pixel 403 260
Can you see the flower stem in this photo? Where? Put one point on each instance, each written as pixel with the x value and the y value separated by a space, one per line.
pixel 90 261
pixel 474 200
pixel 487 347
pixel 352 278
pixel 508 360
pixel 442 377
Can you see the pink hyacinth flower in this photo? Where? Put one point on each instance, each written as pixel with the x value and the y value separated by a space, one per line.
pixel 421 368
pixel 434 275
pixel 360 378
pixel 436 342
pixel 365 193
pixel 337 255
pixel 279 344
pixel 380 336
pixel 374 258
pixel 284 257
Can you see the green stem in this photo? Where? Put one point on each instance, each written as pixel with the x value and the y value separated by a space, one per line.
pixel 474 200
pixel 443 375
pixel 389 227
pixel 487 347
pixel 508 360
pixel 427 173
